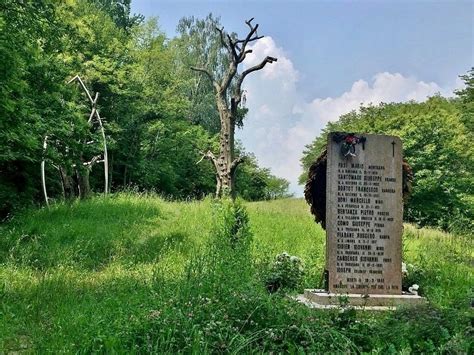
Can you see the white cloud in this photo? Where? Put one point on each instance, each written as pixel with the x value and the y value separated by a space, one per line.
pixel 280 123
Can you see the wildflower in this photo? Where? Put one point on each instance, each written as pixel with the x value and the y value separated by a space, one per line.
pixel 154 314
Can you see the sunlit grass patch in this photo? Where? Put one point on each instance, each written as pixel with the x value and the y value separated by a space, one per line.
pixel 138 273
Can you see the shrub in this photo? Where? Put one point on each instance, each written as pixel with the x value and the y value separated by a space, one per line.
pixel 422 329
pixel 286 272
pixel 231 223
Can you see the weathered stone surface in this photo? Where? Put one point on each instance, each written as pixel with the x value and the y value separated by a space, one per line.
pixel 364 211
pixel 324 298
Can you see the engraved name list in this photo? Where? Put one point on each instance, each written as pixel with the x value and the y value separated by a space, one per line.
pixel 364 216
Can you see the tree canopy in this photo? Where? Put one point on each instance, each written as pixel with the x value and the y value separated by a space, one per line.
pixel 437 143
pixel 158 114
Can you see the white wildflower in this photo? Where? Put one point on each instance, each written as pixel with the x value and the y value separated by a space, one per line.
pixel 404 269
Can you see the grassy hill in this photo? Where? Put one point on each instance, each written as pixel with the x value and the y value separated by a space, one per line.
pixel 139 274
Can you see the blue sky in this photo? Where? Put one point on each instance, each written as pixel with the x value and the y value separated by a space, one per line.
pixel 333 55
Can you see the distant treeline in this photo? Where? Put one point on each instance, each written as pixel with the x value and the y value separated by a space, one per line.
pixel 159 115
pixel 438 142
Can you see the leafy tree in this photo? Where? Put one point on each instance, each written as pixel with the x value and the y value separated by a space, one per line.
pixel 198 44
pixel 277 188
pixel 156 143
pixel 119 11
pixel 466 97
pixel 436 144
pixel 168 160
pixel 33 95
pixel 254 183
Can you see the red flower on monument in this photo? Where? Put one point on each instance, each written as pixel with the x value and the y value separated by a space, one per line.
pixel 351 139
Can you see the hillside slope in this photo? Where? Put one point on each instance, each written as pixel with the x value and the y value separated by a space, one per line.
pixel 137 273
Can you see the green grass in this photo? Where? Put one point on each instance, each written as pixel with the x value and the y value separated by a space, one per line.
pixel 137 274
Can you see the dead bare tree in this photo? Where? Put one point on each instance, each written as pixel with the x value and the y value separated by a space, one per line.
pixel 228 94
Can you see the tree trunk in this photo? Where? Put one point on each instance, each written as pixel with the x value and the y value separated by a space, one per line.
pixel 83 182
pixel 225 173
pixel 111 172
pixel 67 182
pixel 125 170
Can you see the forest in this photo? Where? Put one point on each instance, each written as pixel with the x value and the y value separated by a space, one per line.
pixel 158 114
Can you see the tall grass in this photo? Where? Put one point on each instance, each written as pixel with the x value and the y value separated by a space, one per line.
pixel 134 273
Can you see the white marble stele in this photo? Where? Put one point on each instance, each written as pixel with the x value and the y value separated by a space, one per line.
pixel 364 224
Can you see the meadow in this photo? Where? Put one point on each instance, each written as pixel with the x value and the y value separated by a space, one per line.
pixel 135 273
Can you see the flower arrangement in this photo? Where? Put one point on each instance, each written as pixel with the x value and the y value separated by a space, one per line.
pixel 410 276
pixel 349 142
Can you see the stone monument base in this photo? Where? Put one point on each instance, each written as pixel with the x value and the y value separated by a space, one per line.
pixel 324 300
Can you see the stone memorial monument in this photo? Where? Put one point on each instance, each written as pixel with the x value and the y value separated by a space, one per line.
pixel 364 222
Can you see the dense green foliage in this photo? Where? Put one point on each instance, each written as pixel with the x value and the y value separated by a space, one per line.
pixel 134 272
pixel 437 143
pixel 138 274
pixel 466 96
pixel 159 115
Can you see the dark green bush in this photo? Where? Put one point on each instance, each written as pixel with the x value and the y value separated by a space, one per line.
pixel 422 329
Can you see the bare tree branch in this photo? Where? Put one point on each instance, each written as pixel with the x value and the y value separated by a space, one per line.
pixel 236 163
pixel 221 33
pixel 242 56
pixel 210 156
pixel 209 75
pixel 251 36
pixel 268 59
pixel 205 71
pixel 250 40
pixel 238 95
pixel 249 23
pixel 235 55
pixel 253 30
